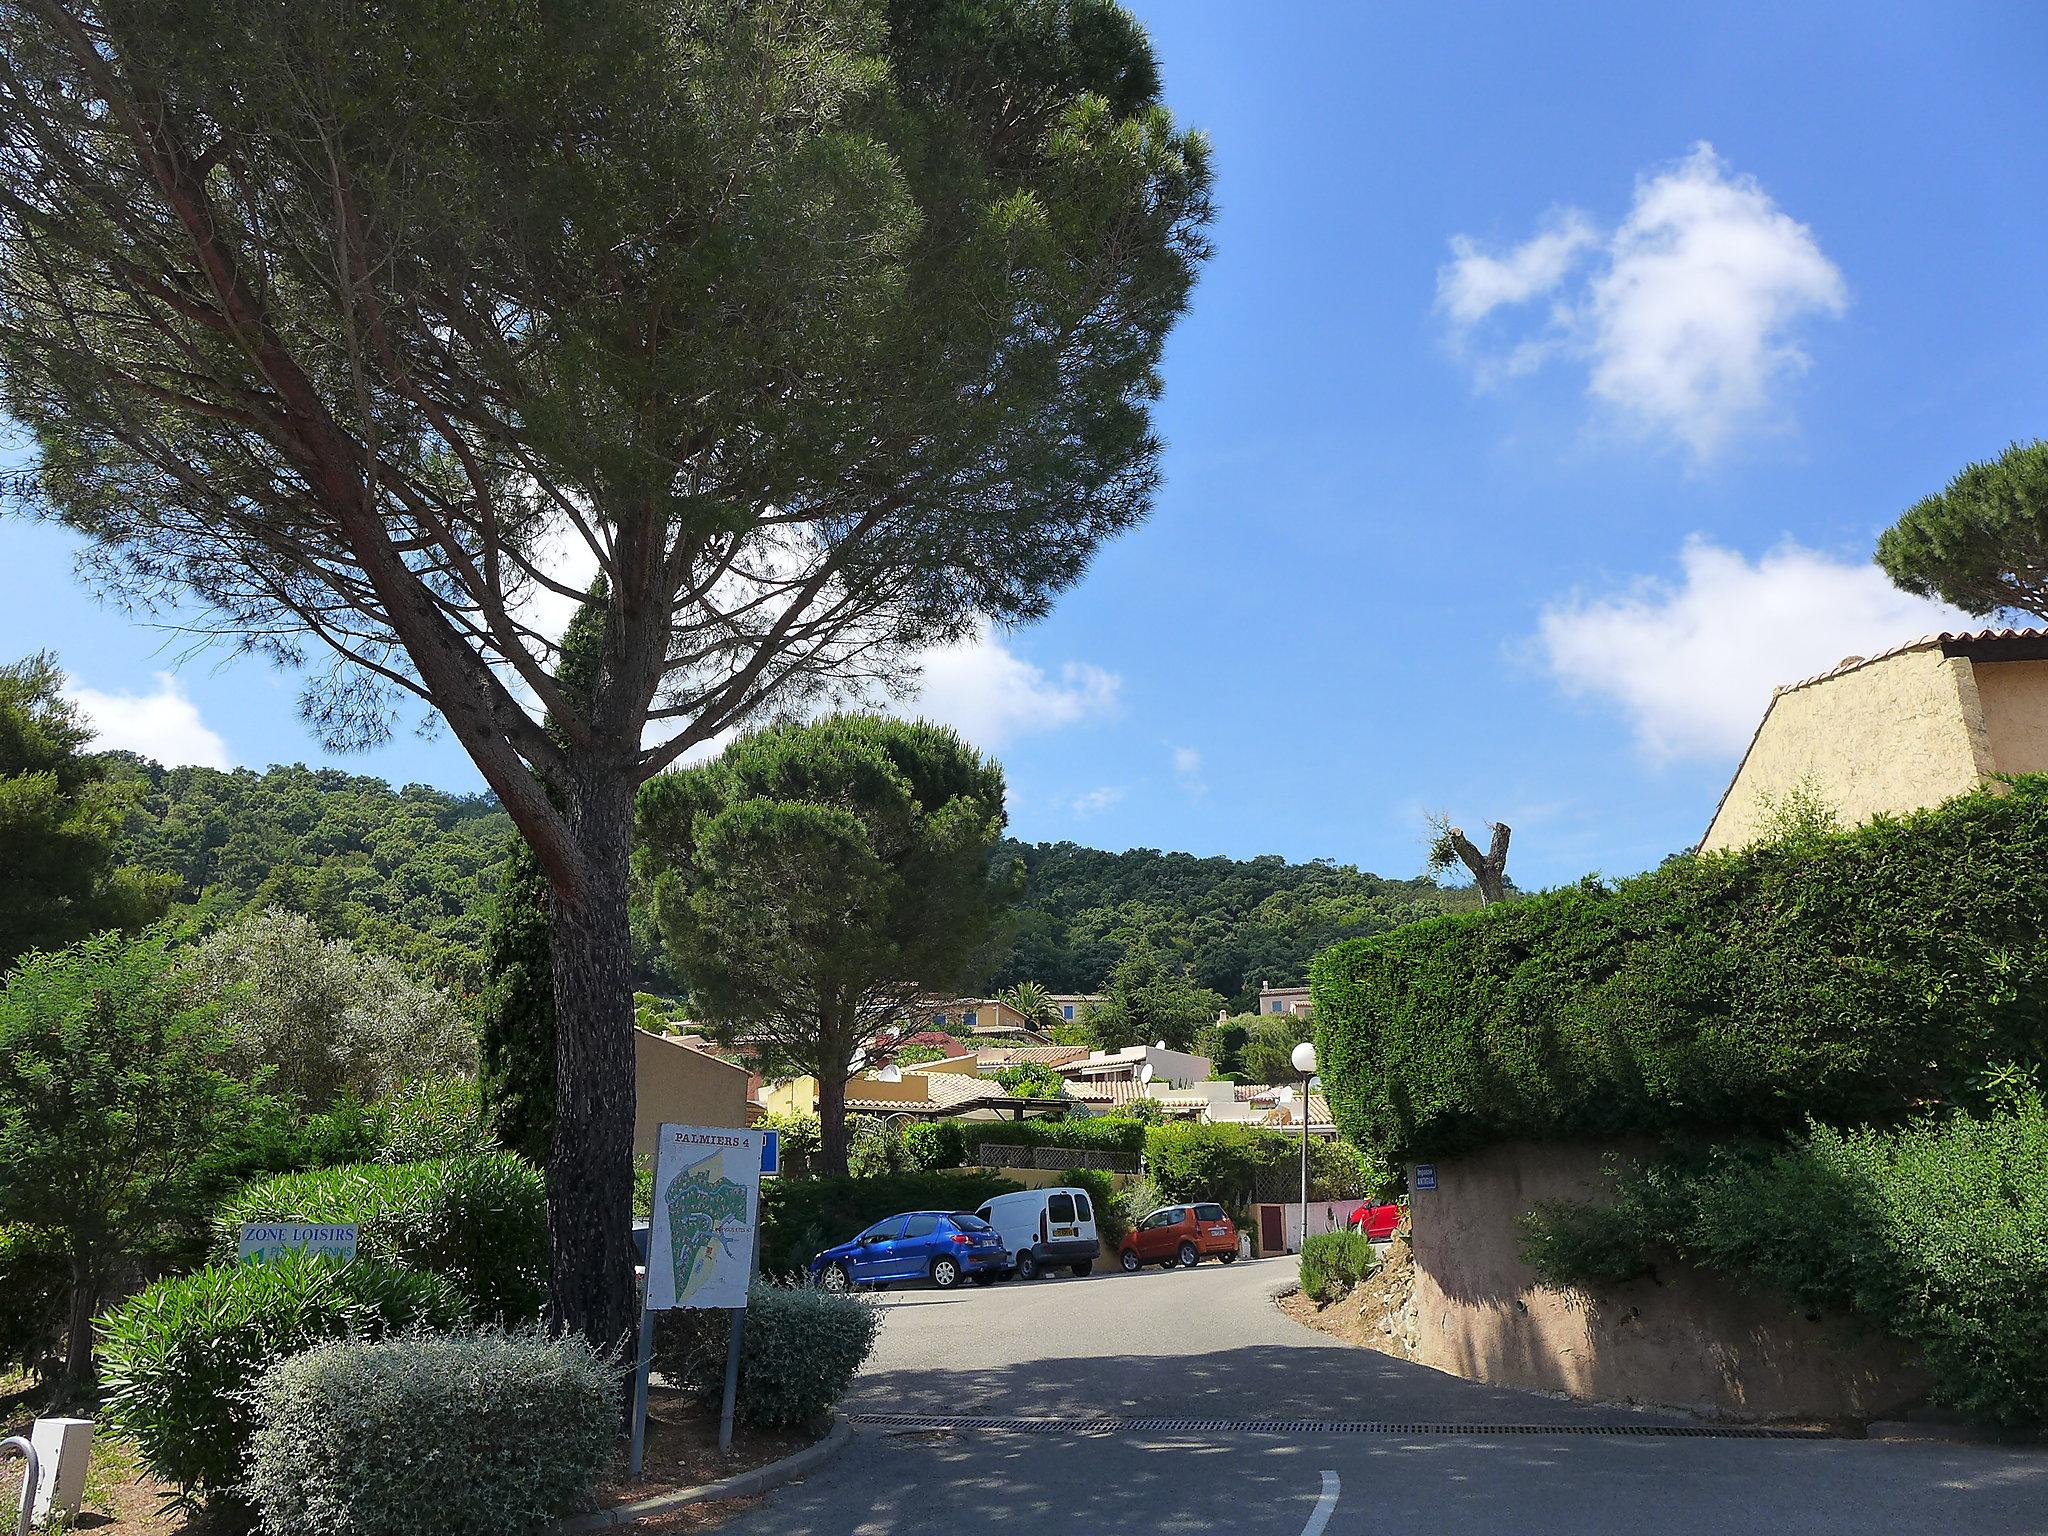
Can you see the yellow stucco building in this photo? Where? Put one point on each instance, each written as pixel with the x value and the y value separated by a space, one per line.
pixel 1899 731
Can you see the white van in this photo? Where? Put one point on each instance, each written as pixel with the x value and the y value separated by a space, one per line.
pixel 1043 1228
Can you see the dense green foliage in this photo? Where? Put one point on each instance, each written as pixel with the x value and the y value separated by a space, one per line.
pixel 60 813
pixel 815 882
pixel 479 1222
pixel 1267 1055
pixel 1233 923
pixel 117 1124
pixel 1241 1164
pixel 799 1348
pixel 1148 998
pixel 35 1289
pixel 1333 1262
pixel 1935 1232
pixel 179 1357
pixel 464 1434
pixel 401 872
pixel 801 1216
pixel 1982 543
pixel 1106 1133
pixel 516 1012
pixel 1853 977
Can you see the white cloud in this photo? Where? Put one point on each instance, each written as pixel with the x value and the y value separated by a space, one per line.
pixel 1097 800
pixel 1692 663
pixel 164 725
pixel 1687 321
pixel 991 695
pixel 1187 768
pixel 1474 283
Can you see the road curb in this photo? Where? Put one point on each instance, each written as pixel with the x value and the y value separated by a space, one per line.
pixel 1907 1431
pixel 740 1485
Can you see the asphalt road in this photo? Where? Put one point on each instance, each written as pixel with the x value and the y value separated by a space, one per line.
pixel 1209 1345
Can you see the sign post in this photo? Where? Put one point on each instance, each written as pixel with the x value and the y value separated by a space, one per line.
pixel 700 1246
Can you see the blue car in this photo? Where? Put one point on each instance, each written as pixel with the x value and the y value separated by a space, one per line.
pixel 943 1247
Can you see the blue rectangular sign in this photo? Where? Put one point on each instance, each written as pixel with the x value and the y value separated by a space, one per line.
pixel 1425 1175
pixel 771 1152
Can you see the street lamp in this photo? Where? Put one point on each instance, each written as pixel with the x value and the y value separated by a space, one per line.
pixel 1305 1063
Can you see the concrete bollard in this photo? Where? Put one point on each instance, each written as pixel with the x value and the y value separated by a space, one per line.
pixel 64 1447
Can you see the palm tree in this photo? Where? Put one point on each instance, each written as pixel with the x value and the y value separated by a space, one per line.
pixel 1033 1002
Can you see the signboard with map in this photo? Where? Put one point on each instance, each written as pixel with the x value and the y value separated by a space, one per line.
pixel 707 1197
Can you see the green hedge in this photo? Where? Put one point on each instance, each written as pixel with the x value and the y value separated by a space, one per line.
pixel 1101 1133
pixel 799 1349
pixel 1238 1164
pixel 1854 977
pixel 481 1222
pixel 464 1434
pixel 1936 1233
pixel 177 1360
pixel 801 1216
pixel 35 1286
pixel 1333 1262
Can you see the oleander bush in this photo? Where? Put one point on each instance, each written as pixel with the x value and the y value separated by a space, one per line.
pixel 1935 1233
pixel 801 1216
pixel 799 1350
pixel 177 1358
pixel 481 1222
pixel 458 1434
pixel 1333 1262
pixel 1858 977
pixel 432 1118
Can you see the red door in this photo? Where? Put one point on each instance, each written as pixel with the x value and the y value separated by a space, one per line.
pixel 1272 1233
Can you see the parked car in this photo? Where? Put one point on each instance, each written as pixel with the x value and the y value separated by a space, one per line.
pixel 1180 1235
pixel 940 1246
pixel 1045 1227
pixel 1376 1221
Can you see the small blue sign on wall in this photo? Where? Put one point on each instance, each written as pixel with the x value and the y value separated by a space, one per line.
pixel 1425 1175
pixel 771 1152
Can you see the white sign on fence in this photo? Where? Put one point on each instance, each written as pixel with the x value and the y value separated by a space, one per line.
pixel 707 1199
pixel 263 1241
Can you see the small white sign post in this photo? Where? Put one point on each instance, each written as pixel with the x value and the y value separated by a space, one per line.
pixel 700 1247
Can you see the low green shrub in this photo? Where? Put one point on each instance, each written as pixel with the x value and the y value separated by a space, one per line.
pixel 799 1349
pixel 35 1283
pixel 433 1118
pixel 800 1138
pixel 1111 1225
pixel 1333 1262
pixel 177 1358
pixel 1935 1233
pixel 933 1145
pixel 801 1216
pixel 1858 977
pixel 479 1221
pixel 461 1434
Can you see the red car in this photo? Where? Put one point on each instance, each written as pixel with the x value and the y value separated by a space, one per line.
pixel 1376 1221
pixel 1180 1235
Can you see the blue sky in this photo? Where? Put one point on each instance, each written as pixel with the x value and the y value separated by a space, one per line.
pixel 1519 441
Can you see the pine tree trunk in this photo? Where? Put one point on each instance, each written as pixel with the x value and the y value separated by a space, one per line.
pixel 590 1161
pixel 832 1147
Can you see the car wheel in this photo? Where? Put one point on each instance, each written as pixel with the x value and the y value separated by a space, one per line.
pixel 945 1273
pixel 1230 1257
pixel 1188 1256
pixel 835 1279
pixel 1130 1261
pixel 1083 1271
pixel 1027 1265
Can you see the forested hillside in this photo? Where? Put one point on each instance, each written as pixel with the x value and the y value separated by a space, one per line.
pixel 409 872
pixel 1233 922
pixel 406 872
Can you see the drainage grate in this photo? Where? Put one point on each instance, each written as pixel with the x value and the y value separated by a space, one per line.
pixel 1115 1426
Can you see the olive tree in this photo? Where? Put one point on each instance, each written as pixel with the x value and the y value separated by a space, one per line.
pixel 371 335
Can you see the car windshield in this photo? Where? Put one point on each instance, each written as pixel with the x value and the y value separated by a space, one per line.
pixel 966 1221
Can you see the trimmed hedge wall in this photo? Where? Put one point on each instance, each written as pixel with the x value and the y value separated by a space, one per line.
pixel 1103 1133
pixel 801 1216
pixel 1857 976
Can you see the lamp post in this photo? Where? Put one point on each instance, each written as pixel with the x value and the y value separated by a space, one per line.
pixel 1305 1063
